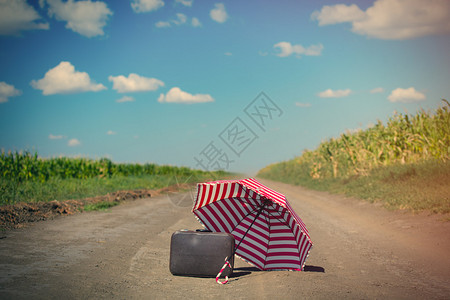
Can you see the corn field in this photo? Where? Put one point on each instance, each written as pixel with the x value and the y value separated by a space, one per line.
pixel 25 166
pixel 25 177
pixel 404 139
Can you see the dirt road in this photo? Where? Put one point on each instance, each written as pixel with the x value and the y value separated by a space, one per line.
pixel 361 251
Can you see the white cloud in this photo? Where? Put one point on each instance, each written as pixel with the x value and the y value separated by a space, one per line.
pixel 219 14
pixel 84 17
pixel 134 83
pixel 56 137
pixel 339 13
pixel 73 143
pixel 391 19
pixel 406 95
pixel 180 19
pixel 302 104
pixel 377 90
pixel 142 6
pixel 163 24
pixel 110 132
pixel 63 79
pixel 228 53
pixel 17 16
pixel 287 49
pixel 176 95
pixel 329 93
pixel 6 91
pixel 185 2
pixel 125 99
pixel 195 22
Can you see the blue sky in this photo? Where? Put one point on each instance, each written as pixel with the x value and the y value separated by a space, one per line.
pixel 212 84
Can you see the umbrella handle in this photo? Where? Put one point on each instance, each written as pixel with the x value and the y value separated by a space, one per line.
pixel 234 251
pixel 227 263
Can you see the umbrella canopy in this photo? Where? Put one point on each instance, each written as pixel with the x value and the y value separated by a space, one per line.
pixel 268 232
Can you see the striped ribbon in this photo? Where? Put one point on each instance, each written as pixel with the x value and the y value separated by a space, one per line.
pixel 227 263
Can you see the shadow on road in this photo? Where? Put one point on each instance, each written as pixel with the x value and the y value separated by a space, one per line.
pixel 239 272
pixel 313 269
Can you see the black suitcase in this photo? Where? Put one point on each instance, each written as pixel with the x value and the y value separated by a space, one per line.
pixel 201 254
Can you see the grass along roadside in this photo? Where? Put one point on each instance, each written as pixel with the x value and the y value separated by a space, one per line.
pixel 417 187
pixel 73 188
pixel 103 206
pixel 33 189
pixel 22 213
pixel 26 177
pixel 403 164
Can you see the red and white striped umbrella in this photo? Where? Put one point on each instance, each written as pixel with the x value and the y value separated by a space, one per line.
pixel 268 232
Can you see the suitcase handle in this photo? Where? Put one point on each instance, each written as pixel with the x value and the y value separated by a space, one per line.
pixel 203 230
pixel 227 263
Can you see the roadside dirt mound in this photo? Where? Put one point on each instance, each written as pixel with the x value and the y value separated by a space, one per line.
pixel 20 214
